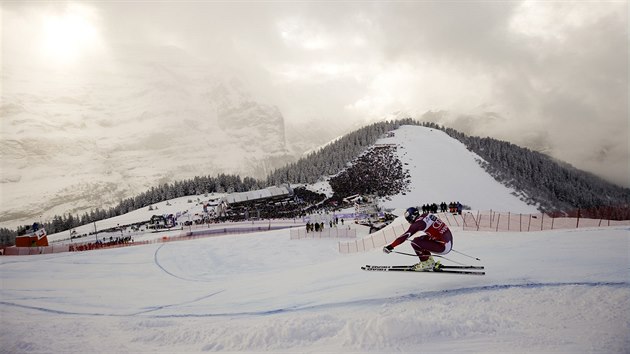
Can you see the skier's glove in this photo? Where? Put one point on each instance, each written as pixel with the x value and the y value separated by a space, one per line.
pixel 388 249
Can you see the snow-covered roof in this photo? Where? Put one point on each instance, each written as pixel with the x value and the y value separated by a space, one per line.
pixel 269 192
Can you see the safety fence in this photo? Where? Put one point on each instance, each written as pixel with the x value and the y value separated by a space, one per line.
pixel 27 251
pixel 497 221
pixel 231 230
pixel 299 234
pixel 481 221
pixel 374 240
pixel 184 235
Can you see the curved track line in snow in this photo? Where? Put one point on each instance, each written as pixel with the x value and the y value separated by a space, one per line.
pixel 362 302
pixel 402 298
pixel 150 309
pixel 471 290
pixel 157 308
pixel 53 311
pixel 157 263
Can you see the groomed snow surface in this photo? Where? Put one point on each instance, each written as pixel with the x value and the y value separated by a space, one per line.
pixel 548 291
pixel 553 291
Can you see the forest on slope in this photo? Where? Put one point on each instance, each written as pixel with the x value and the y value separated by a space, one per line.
pixel 556 186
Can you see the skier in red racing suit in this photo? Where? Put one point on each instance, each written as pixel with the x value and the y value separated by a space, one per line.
pixel 437 239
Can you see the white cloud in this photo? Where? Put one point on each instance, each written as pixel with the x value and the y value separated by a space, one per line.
pixel 422 86
pixel 304 34
pixel 554 20
pixel 563 63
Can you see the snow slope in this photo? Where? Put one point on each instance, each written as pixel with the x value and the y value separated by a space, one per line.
pixel 443 170
pixel 188 206
pixel 560 291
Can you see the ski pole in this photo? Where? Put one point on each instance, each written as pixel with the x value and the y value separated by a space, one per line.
pixel 406 254
pixel 434 255
pixel 464 254
pixel 410 254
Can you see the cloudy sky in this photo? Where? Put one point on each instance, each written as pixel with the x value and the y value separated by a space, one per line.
pixel 552 75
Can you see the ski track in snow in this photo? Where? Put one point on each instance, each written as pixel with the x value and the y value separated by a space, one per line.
pixel 405 298
pixel 328 306
pixel 157 263
pixel 147 310
pixel 157 308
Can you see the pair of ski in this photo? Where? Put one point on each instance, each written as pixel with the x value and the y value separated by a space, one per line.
pixel 470 270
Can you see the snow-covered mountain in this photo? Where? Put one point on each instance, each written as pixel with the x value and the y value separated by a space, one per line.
pixel 75 147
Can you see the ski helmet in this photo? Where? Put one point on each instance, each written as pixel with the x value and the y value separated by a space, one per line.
pixel 411 214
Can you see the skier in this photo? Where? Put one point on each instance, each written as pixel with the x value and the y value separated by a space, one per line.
pixel 437 239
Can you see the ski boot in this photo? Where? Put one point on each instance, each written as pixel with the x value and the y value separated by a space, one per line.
pixel 427 265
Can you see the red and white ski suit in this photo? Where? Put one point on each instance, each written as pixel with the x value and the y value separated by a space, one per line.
pixel 437 239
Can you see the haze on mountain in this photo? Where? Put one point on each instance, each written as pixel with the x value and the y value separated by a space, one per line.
pixel 102 100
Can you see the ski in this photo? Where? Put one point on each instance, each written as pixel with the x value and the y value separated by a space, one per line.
pixel 441 266
pixel 461 267
pixel 410 269
pixel 469 272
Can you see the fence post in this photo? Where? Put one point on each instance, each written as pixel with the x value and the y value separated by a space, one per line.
pixel 498 219
pixel 577 225
pixel 478 221
pixel 509 217
pixel 542 220
pixel 475 220
pixel 530 222
pixel 491 217
pixel 553 218
pixel 520 222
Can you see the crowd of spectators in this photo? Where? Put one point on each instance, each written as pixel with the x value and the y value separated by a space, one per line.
pixel 314 227
pixel 377 172
pixel 452 207
pixel 112 242
pixel 319 226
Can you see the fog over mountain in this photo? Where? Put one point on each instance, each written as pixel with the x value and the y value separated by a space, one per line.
pixel 101 100
pixel 82 147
